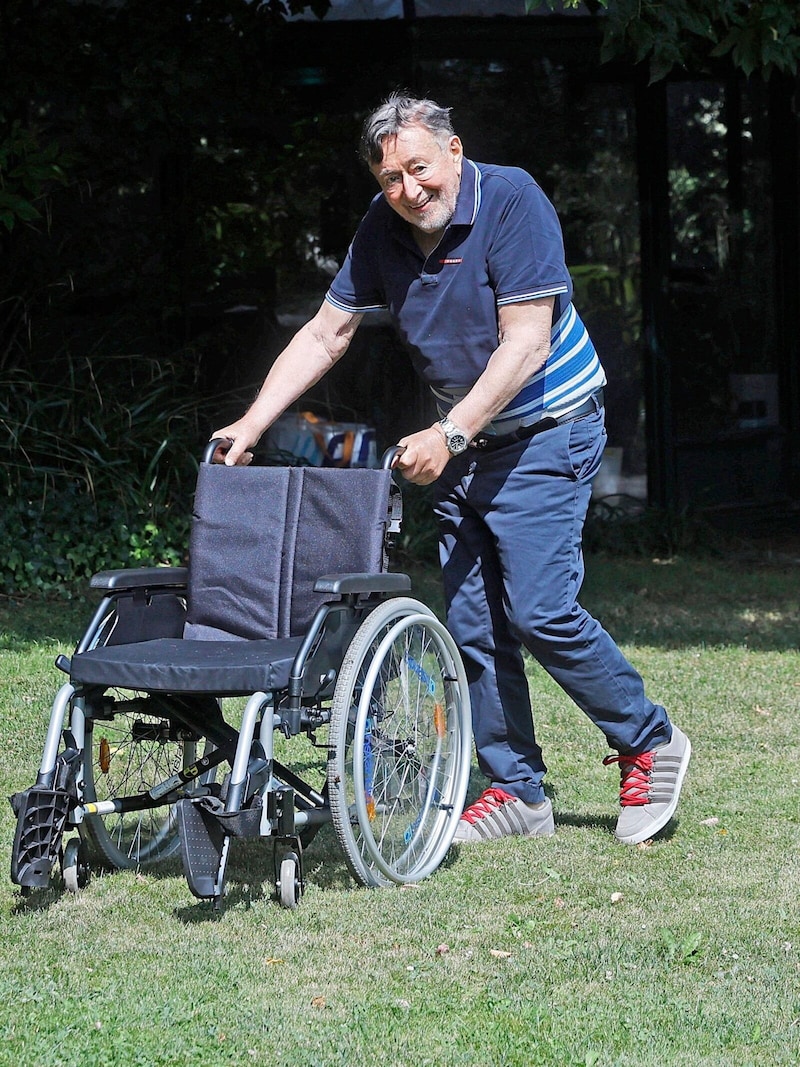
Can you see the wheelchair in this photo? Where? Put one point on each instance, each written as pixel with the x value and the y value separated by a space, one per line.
pixel 286 621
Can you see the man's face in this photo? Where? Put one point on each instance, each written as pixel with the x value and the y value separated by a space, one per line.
pixel 420 177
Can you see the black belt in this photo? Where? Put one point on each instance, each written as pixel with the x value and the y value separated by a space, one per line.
pixel 489 442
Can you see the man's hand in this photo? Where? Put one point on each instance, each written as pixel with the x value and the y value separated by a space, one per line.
pixel 238 440
pixel 424 456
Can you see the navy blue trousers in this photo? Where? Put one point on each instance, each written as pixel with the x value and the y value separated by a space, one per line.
pixel 511 523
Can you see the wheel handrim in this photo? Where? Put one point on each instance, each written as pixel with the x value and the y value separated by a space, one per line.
pixel 396 810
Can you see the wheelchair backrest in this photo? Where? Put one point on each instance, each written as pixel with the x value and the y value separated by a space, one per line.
pixel 262 536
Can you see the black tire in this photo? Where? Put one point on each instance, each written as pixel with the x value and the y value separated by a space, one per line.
pixel 75 866
pixel 126 755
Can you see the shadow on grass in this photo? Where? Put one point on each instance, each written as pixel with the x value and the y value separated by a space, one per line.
pixel 251 877
pixel 42 899
pixel 31 901
pixel 38 620
pixel 585 821
pixel 608 823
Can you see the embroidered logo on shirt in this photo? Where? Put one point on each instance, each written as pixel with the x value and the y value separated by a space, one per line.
pixel 451 262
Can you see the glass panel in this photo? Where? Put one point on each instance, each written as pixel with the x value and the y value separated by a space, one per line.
pixel 577 138
pixel 721 328
pixel 722 321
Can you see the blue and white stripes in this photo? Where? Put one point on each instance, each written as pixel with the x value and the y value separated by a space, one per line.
pixel 571 374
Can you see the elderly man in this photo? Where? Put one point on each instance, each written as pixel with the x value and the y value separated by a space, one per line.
pixel 469 260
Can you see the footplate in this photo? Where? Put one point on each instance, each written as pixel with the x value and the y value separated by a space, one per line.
pixel 41 818
pixel 204 847
pixel 205 830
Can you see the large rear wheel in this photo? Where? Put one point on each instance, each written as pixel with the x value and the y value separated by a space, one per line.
pixel 400 745
pixel 125 756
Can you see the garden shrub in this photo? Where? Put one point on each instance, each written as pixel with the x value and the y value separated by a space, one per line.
pixel 98 461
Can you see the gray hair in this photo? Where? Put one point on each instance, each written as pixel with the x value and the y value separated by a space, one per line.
pixel 396 112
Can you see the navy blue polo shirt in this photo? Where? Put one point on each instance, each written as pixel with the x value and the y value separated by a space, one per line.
pixel 502 246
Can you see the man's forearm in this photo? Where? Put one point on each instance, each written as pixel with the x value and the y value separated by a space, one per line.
pixel 304 361
pixel 502 380
pixel 308 357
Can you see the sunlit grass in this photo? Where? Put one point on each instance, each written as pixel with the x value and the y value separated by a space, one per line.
pixel 566 951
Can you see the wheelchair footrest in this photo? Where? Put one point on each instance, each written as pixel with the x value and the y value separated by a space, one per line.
pixel 204 827
pixel 202 849
pixel 41 818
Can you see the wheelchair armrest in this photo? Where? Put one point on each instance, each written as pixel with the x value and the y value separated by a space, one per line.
pixel 343 584
pixel 140 578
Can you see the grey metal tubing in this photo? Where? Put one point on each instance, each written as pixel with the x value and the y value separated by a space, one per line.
pixel 212 446
pixel 312 817
pixel 298 666
pixel 242 757
pixel 47 767
pixel 103 608
pixel 77 725
pixel 266 736
pixel 389 456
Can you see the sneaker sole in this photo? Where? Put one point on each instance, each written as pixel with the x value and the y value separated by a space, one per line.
pixel 658 824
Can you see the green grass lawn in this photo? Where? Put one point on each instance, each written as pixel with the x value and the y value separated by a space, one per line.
pixel 566 951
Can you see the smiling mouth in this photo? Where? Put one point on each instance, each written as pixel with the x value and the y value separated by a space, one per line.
pixel 424 204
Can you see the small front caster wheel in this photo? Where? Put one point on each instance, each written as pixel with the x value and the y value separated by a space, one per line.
pixel 74 866
pixel 289 885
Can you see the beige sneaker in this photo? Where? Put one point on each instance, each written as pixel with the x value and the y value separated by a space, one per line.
pixel 650 787
pixel 498 814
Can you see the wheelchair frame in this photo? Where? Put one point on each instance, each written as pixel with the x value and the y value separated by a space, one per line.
pixel 376 669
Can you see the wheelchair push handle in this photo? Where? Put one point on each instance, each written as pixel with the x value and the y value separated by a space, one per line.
pixel 387 460
pixel 212 446
pixel 390 456
pixel 219 443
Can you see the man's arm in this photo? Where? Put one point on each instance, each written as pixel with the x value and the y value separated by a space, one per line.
pixel 308 357
pixel 524 345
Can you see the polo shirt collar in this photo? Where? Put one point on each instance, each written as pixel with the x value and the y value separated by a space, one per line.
pixel 469 195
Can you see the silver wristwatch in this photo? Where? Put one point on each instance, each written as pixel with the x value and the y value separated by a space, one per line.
pixel 456 439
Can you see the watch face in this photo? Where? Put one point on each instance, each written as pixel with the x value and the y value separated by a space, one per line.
pixel 456 440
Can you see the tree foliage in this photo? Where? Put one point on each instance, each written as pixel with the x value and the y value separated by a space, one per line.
pixel 156 167
pixel 760 36
pixel 157 144
pixel 147 156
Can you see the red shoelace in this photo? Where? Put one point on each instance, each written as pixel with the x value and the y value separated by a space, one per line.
pixel 635 774
pixel 487 803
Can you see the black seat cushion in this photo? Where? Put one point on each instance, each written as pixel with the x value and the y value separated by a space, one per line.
pixel 175 665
